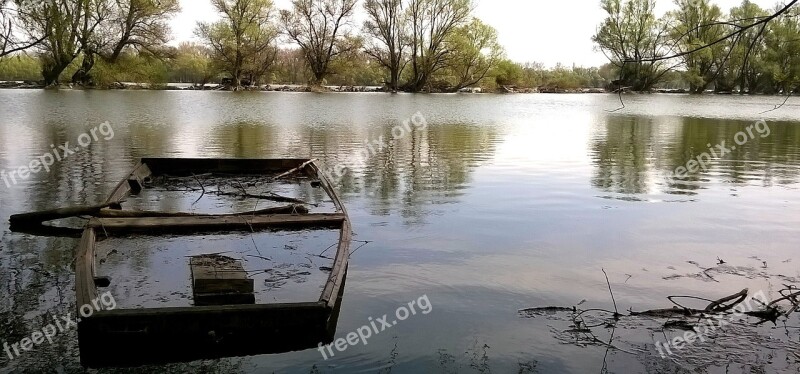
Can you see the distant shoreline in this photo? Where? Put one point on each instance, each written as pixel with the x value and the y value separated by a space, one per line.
pixel 130 86
pixel 278 88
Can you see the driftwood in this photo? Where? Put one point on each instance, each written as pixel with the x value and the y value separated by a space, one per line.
pixel 37 218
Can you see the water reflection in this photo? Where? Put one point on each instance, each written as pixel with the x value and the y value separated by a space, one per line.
pixel 636 155
pixel 502 203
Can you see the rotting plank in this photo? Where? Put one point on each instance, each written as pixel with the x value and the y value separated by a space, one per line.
pixel 288 209
pixel 140 172
pixel 220 280
pixel 85 288
pixel 189 166
pixel 200 223
pixel 336 279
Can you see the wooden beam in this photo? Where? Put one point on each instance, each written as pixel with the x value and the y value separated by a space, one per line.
pixel 288 209
pixel 140 172
pixel 158 225
pixel 189 166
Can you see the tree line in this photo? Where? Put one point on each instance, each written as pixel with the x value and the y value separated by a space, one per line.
pixel 746 50
pixel 403 45
pixel 413 45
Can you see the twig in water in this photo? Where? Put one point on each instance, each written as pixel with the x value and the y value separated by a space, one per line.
pixel 201 186
pixel 616 311
pixel 326 249
pixel 261 257
pixel 359 247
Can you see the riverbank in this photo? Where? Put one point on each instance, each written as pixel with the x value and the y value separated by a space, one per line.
pixel 278 88
pixel 322 89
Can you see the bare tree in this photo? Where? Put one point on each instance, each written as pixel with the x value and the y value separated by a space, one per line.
pixel 9 23
pixel 386 29
pixel 320 28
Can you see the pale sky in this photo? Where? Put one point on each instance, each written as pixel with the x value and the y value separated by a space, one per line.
pixel 547 31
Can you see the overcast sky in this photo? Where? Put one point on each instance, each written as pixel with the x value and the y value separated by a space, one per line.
pixel 544 31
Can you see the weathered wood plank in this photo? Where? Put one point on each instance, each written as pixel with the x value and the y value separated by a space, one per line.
pixel 156 225
pixel 85 288
pixel 136 180
pixel 123 189
pixel 220 280
pixel 189 166
pixel 336 279
pixel 37 218
pixel 288 209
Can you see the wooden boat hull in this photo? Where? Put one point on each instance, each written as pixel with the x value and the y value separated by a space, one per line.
pixel 131 337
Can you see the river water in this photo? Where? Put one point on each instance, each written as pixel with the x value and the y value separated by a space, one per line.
pixel 486 204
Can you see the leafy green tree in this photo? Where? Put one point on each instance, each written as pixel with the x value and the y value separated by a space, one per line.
pixel 697 23
pixel 508 73
pixel 432 22
pixel 744 68
pixel 321 29
pixel 474 51
pixel 632 37
pixel 243 42
pixel 192 63
pixel 782 54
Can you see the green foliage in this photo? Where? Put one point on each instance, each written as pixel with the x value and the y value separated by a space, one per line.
pixel 135 68
pixel 696 24
pixel 20 67
pixel 629 34
pixel 473 52
pixel 242 43
pixel 508 73
pixel 781 55
pixel 192 64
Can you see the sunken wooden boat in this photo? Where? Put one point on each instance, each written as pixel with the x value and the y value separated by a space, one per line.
pixel 223 320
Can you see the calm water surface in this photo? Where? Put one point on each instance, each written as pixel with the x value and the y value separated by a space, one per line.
pixel 501 203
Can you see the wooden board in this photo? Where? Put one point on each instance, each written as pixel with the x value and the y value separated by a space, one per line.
pixel 220 280
pixel 189 166
pixel 160 225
